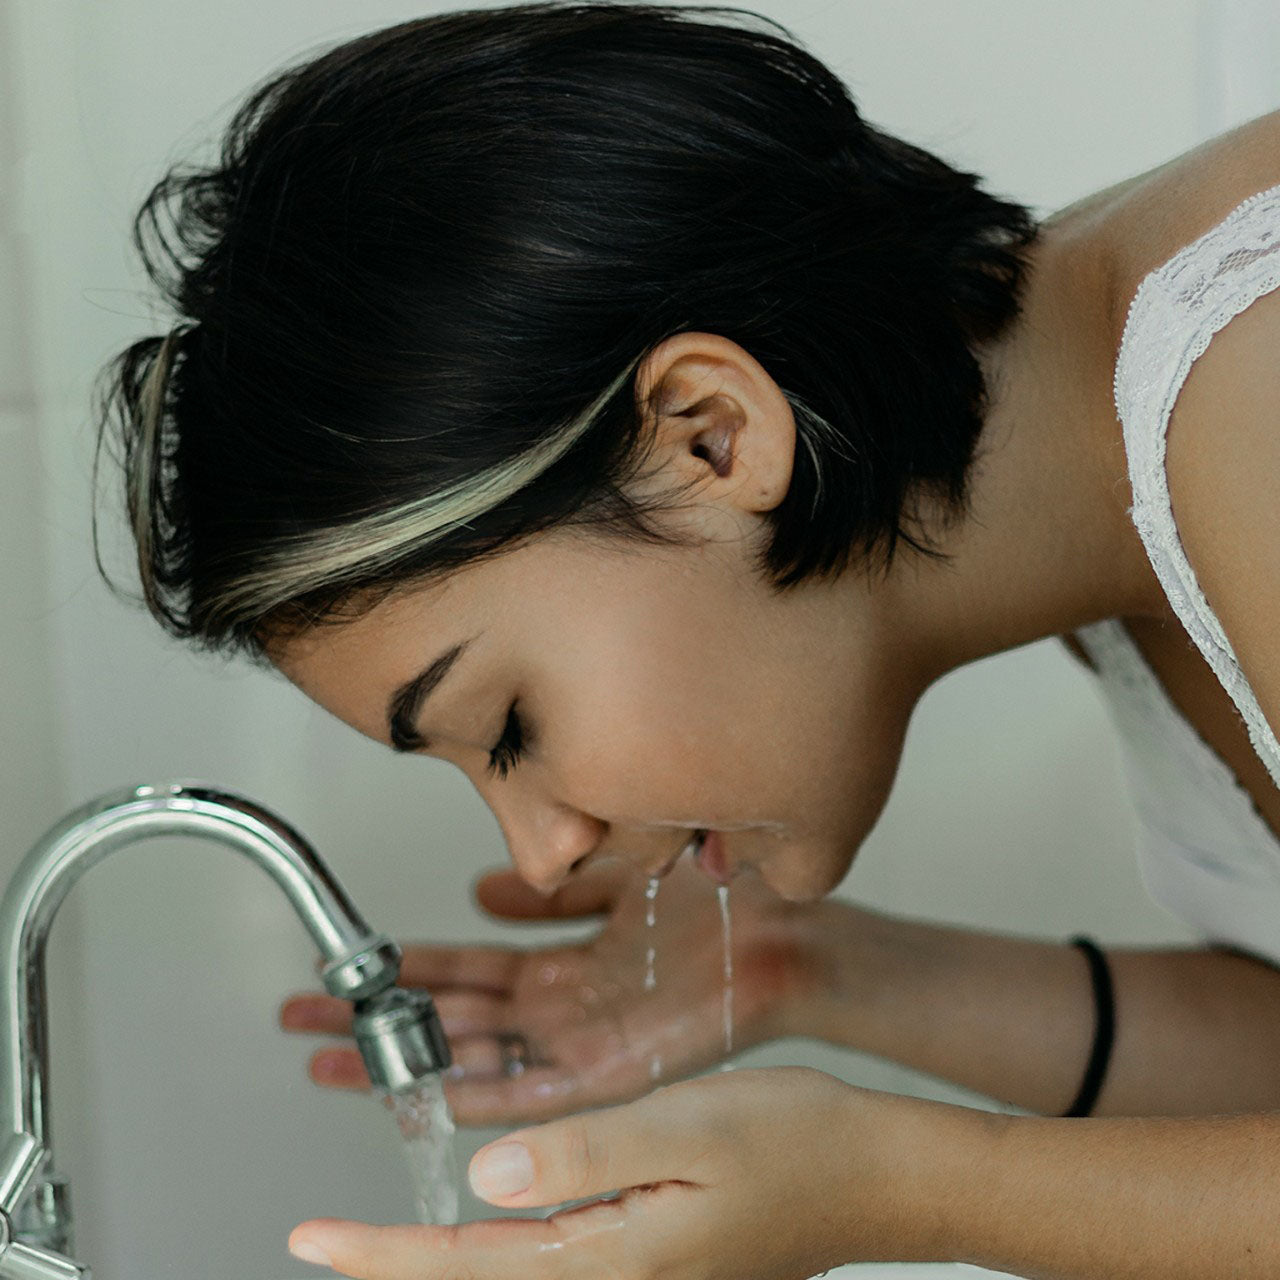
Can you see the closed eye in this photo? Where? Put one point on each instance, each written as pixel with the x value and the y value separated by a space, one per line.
pixel 510 747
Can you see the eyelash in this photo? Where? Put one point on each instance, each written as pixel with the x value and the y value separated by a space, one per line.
pixel 503 757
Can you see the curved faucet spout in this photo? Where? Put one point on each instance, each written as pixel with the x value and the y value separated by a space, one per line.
pixel 359 964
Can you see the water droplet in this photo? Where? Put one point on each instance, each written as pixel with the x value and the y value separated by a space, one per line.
pixel 553 1088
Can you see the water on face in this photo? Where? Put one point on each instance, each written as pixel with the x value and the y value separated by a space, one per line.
pixel 426 1125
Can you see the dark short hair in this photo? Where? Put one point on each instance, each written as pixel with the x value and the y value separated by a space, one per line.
pixel 412 296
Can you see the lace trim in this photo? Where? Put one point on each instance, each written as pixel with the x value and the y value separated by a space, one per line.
pixel 1171 319
pixel 1152 729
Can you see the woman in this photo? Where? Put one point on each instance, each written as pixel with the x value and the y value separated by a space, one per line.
pixel 599 365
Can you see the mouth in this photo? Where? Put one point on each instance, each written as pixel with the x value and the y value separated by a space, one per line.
pixel 713 858
pixel 692 845
pixel 708 851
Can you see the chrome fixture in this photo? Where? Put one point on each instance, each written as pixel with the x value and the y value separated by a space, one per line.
pixel 397 1030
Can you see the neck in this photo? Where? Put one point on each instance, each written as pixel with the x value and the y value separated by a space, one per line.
pixel 1047 544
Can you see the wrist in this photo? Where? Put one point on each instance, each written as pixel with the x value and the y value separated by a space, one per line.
pixel 926 1174
pixel 793 961
pixel 839 962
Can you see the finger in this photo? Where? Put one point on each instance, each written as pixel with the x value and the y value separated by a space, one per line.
pixel 564 1244
pixel 469 1013
pixel 375 1253
pixel 462 1013
pixel 338 1068
pixel 591 892
pixel 467 967
pixel 584 1155
pixel 539 1093
pixel 476 1058
pixel 484 1095
pixel 580 1071
pixel 480 1093
pixel 314 1011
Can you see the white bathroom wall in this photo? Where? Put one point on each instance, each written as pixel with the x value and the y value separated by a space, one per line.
pixel 33 786
pixel 1239 63
pixel 184 1117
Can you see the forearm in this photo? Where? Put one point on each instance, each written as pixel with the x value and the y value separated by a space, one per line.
pixel 1197 1032
pixel 1120 1198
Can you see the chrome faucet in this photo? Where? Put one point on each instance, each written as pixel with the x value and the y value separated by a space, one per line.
pixel 397 1029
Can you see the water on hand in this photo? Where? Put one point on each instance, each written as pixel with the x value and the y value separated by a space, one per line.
pixel 427 1127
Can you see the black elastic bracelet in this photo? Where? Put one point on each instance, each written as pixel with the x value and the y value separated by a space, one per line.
pixel 1104 1037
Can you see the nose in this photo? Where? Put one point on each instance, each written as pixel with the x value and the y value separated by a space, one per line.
pixel 547 840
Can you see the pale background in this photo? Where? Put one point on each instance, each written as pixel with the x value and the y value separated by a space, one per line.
pixel 193 1139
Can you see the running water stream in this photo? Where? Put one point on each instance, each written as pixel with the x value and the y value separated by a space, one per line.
pixel 426 1125
pixel 650 979
pixel 722 892
pixel 650 894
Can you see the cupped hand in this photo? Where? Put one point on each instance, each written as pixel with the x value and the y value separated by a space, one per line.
pixel 595 1031
pixel 776 1174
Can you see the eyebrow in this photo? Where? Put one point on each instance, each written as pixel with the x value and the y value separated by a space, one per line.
pixel 406 702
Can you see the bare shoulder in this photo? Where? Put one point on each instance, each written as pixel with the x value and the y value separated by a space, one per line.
pixel 1223 455
pixel 1148 218
pixel 1223 467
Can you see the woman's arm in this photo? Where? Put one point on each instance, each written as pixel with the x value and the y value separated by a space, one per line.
pixel 788 1172
pixel 1197 1032
pixel 1122 1198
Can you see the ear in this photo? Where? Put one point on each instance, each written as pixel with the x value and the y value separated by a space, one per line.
pixel 719 421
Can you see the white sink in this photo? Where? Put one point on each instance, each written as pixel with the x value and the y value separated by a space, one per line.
pixel 866 1271
pixel 911 1271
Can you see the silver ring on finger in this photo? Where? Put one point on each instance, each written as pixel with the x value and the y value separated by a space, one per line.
pixel 513 1053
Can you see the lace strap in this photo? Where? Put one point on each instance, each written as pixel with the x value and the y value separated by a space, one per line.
pixel 1172 318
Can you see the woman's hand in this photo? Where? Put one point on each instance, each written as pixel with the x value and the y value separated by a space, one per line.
pixel 588 1029
pixel 774 1174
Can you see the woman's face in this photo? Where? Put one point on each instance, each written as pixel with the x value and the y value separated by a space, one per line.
pixel 657 691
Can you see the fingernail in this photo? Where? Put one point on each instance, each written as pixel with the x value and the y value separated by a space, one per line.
pixel 309 1252
pixel 502 1170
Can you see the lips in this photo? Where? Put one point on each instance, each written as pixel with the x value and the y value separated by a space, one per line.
pixel 692 845
pixel 713 858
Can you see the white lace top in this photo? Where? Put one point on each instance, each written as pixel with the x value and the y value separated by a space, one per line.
pixel 1204 850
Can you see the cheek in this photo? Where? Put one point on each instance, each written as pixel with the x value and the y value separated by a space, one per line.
pixel 621 753
pixel 830 758
pixel 629 759
pixel 639 707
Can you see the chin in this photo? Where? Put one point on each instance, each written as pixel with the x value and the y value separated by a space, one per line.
pixel 796 879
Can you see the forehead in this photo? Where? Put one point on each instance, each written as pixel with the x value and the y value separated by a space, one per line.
pixel 346 664
pixel 350 666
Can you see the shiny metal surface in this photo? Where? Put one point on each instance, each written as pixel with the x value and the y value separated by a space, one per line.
pixel 405 1041
pixel 400 1038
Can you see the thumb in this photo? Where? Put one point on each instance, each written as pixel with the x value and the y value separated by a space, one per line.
pixel 585 1155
